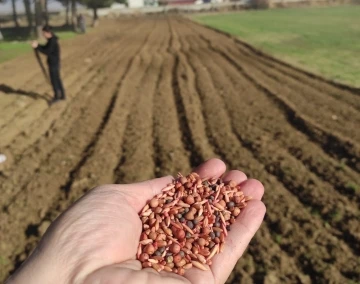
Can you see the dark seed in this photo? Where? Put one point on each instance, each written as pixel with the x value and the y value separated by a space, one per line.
pixel 211 245
pixel 188 235
pixel 182 253
pixel 217 224
pixel 228 228
pixel 157 253
pixel 212 197
pixel 213 187
pixel 186 210
pixel 190 224
pixel 168 201
pixel 212 235
pixel 162 249
pixel 182 220
pixel 217 219
pixel 179 216
pixel 217 234
pixel 230 204
pixel 195 222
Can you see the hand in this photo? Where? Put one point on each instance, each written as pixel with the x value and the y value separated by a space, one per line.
pixel 34 44
pixel 96 239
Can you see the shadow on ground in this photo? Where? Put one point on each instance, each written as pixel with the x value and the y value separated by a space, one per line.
pixel 9 90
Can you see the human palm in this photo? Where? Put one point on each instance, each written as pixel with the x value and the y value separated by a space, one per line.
pixel 96 239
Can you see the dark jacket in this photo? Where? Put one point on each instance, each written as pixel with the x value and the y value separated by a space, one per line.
pixel 52 50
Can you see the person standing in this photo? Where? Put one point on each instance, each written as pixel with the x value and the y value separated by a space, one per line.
pixel 52 50
pixel 82 23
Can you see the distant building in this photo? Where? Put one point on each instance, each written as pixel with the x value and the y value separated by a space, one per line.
pixel 135 3
pixel 177 2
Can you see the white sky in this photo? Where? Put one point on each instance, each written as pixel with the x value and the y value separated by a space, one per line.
pixel 7 7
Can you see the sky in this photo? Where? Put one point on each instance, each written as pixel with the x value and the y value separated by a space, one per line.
pixel 7 8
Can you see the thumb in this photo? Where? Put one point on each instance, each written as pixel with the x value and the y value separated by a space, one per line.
pixel 130 272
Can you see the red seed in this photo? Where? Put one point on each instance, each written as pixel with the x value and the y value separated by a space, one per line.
pixel 175 248
pixel 149 249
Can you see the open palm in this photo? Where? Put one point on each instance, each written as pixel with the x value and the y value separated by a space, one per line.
pixel 96 239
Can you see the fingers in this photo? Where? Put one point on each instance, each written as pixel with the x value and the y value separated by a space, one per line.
pixel 242 231
pixel 235 175
pixel 211 168
pixel 252 187
pixel 139 193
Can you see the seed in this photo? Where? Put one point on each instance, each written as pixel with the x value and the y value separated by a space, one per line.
pixel 189 199
pixel 179 216
pixel 189 216
pixel 181 271
pixel 146 264
pixel 188 235
pixel 154 202
pixel 232 183
pixel 180 263
pixel 161 244
pixel 145 242
pixel 143 257
pixel 187 266
pixel 236 211
pixel 183 180
pixel 199 265
pixel 182 220
pixel 188 245
pixel 212 235
pixel 175 248
pixel 182 254
pixel 180 234
pixel 217 234
pixel 230 204
pixel 201 242
pixel 149 249
pixel 190 224
pixel 217 224
pixel 167 268
pixel 169 259
pixel 158 253
pixel 177 258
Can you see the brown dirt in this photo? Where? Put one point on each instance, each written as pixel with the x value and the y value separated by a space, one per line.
pixel 162 94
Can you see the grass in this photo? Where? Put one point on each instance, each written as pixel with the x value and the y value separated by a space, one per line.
pixel 12 49
pixel 321 39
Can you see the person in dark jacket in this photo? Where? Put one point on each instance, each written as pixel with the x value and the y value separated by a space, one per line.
pixel 52 50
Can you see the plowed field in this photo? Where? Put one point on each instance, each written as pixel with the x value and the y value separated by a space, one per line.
pixel 153 96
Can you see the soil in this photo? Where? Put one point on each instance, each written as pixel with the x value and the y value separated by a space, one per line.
pixel 152 96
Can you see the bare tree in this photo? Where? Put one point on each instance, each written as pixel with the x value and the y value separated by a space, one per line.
pixel 39 16
pixel 73 14
pixel 15 18
pixel 29 16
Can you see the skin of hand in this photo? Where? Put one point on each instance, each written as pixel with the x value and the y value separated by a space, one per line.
pixel 34 44
pixel 96 239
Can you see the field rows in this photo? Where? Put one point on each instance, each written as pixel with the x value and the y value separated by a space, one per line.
pixel 159 95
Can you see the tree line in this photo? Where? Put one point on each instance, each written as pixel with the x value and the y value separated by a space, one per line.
pixel 41 16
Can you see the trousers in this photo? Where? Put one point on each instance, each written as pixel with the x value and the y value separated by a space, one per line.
pixel 56 82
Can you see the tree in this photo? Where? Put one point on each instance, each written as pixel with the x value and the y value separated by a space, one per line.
pixel 15 18
pixel 73 14
pixel 29 16
pixel 95 5
pixel 39 16
pixel 66 4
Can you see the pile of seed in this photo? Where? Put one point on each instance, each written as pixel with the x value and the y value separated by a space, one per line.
pixel 186 224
